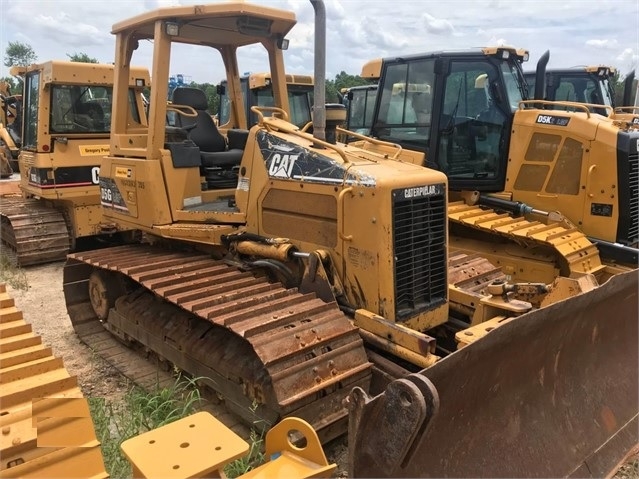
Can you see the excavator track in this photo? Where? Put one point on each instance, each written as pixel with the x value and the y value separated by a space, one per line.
pixel 573 248
pixel 269 351
pixel 31 233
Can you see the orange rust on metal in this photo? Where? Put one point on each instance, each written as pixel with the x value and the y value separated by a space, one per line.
pixel 46 427
pixel 32 233
pixel 252 340
pixel 555 391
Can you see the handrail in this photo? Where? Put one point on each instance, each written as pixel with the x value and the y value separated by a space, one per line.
pixel 340 207
pixel 374 141
pixel 294 130
pixel 184 110
pixel 570 104
pixel 260 114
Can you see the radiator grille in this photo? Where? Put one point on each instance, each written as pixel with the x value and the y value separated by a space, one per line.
pixel 419 241
pixel 633 184
pixel 628 171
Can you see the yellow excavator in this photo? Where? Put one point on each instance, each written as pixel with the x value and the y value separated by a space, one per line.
pixel 324 267
pixel 502 150
pixel 65 129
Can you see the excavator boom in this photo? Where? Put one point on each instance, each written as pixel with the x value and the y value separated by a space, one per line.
pixel 568 406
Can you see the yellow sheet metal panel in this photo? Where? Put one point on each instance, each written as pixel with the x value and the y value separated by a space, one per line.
pixel 195 446
pixel 45 422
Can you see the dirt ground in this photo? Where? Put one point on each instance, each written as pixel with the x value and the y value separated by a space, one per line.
pixel 43 306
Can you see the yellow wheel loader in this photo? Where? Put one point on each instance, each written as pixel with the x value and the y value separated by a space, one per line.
pixel 306 267
pixel 502 150
pixel 65 128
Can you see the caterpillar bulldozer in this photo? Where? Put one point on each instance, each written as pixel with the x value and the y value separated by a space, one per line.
pixel 10 106
pixel 257 91
pixel 324 268
pixel 500 149
pixel 592 84
pixel 65 130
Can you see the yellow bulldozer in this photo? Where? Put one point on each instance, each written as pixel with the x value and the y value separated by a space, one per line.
pixel 257 91
pixel 504 150
pixel 315 268
pixel 65 129
pixel 591 84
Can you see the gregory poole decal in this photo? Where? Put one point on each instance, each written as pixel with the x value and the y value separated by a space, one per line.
pixel 94 150
pixel 285 160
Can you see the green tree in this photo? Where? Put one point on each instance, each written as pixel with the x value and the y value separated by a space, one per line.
pixel 19 54
pixel 212 98
pixel 82 58
pixel 342 80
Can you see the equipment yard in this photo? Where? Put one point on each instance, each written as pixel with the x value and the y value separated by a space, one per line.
pixel 454 293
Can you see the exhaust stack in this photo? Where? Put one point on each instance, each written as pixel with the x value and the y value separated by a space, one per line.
pixel 540 76
pixel 319 109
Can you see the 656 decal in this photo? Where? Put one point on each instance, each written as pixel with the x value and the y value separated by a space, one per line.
pixel 106 194
pixel 110 196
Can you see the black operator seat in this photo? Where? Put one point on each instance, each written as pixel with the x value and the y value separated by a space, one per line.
pixel 202 130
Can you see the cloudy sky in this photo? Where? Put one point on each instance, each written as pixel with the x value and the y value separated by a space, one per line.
pixel 577 32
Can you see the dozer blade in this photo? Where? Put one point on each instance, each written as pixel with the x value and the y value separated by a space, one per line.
pixel 552 393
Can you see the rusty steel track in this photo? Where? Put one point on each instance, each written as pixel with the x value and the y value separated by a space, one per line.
pixel 269 351
pixel 32 233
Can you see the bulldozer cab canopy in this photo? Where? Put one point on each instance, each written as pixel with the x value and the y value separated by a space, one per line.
pixel 222 26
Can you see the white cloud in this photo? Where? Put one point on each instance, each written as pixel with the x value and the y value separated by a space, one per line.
pixel 438 26
pixel 628 57
pixel 357 30
pixel 605 43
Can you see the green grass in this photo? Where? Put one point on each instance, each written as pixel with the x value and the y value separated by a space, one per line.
pixel 255 456
pixel 253 459
pixel 11 274
pixel 136 413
